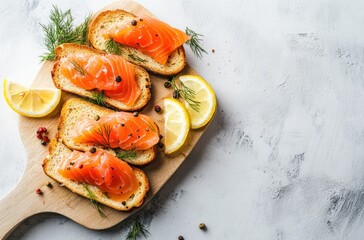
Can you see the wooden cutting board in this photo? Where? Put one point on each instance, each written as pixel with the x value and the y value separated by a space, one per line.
pixel 23 201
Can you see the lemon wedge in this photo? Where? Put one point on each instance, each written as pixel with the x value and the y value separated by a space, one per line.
pixel 31 102
pixel 204 96
pixel 176 125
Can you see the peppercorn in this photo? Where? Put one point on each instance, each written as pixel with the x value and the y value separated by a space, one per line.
pixel 118 79
pixel 39 191
pixel 135 114
pixel 44 143
pixel 92 150
pixel 160 145
pixel 42 130
pixel 167 84
pixel 157 108
pixel 134 22
pixel 202 226
pixel 97 117
pixel 49 184
pixel 39 135
pixel 181 238
pixel 175 94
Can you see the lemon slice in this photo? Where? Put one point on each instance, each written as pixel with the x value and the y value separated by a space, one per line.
pixel 204 95
pixel 31 102
pixel 176 125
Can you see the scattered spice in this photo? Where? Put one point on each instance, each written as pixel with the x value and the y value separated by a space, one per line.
pixel 92 150
pixel 202 226
pixel 81 166
pixel 41 135
pixel 39 191
pixel 160 145
pixel 97 117
pixel 157 108
pixel 213 50
pixel 134 22
pixel 42 130
pixel 167 84
pixel 135 114
pixel 49 185
pixel 181 238
pixel 175 94
pixel 118 79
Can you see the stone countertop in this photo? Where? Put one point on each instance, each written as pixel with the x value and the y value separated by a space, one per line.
pixel 284 156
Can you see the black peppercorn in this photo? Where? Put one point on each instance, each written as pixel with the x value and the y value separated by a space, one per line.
pixel 92 150
pixel 135 114
pixel 157 108
pixel 118 79
pixel 167 84
pixel 181 238
pixel 134 22
pixel 202 226
pixel 175 94
pixel 160 145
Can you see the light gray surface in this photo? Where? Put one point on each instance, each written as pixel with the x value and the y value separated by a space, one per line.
pixel 284 157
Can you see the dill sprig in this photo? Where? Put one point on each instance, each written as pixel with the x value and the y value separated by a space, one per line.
pixel 91 196
pixel 136 58
pixel 98 98
pixel 78 67
pixel 137 230
pixel 186 93
pixel 126 154
pixel 104 130
pixel 60 30
pixel 112 47
pixel 195 42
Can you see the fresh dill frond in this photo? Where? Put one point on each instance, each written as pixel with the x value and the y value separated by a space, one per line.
pixel 112 47
pixel 78 68
pixel 136 58
pixel 186 93
pixel 60 30
pixel 137 230
pixel 195 42
pixel 98 98
pixel 91 196
pixel 130 154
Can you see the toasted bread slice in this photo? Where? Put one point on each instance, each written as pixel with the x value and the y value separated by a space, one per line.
pixel 60 81
pixel 108 19
pixel 51 164
pixel 75 108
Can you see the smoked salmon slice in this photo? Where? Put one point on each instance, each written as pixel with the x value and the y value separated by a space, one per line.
pixel 101 169
pixel 109 73
pixel 118 130
pixel 150 36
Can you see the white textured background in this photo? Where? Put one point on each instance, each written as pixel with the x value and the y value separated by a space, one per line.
pixel 284 157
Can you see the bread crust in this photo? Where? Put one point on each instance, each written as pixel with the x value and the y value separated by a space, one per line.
pixel 106 19
pixel 72 110
pixel 61 82
pixel 50 166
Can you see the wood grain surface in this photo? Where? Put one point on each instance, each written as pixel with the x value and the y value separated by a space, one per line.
pixel 23 201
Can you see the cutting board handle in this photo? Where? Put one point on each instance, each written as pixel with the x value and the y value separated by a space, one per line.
pixel 17 206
